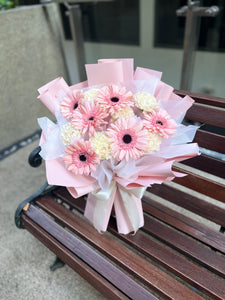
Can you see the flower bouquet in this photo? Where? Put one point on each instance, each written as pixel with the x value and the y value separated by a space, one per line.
pixel 116 134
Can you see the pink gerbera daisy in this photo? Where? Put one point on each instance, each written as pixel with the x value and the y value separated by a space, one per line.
pixel 70 104
pixel 128 139
pixel 114 98
pixel 80 158
pixel 88 118
pixel 160 122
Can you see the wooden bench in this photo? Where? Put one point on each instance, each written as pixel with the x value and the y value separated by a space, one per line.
pixel 175 255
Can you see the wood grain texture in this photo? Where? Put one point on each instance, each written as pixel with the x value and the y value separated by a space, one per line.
pixel 97 281
pixel 196 276
pixel 196 205
pixel 137 266
pixel 204 99
pixel 185 245
pixel 197 230
pixel 201 184
pixel 119 279
pixel 206 115
pixel 208 164
pixel 212 141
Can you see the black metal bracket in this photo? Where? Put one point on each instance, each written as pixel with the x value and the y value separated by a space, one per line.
pixel 35 159
pixel 44 190
pixel 222 229
pixel 58 263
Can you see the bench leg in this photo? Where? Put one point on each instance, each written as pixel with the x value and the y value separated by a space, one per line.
pixel 56 264
pixel 222 229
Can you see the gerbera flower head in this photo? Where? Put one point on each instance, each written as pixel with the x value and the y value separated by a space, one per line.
pixel 89 118
pixel 100 143
pixel 128 139
pixel 160 122
pixel 70 104
pixel 81 158
pixel 114 98
pixel 145 101
pixel 68 133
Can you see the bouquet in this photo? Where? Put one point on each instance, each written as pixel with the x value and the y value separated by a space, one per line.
pixel 116 134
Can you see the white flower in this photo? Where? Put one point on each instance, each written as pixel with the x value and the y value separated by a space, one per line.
pixel 145 101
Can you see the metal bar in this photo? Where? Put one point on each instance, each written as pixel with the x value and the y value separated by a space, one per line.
pixel 193 12
pixel 74 14
pixel 190 40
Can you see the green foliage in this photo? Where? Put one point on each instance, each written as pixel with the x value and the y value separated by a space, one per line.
pixel 6 4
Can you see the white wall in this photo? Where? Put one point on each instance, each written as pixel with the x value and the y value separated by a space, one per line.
pixel 209 67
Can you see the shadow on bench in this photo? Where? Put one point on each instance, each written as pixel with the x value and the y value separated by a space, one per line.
pixel 175 255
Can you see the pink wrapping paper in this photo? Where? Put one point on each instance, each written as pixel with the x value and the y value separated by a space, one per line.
pixel 150 169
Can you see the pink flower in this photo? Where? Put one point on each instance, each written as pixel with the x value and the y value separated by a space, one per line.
pixel 81 158
pixel 128 139
pixel 88 118
pixel 70 104
pixel 160 122
pixel 114 98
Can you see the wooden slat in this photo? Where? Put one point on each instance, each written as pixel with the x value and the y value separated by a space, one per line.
pixel 201 184
pixel 212 141
pixel 97 281
pixel 198 277
pixel 185 245
pixel 110 272
pixel 208 164
pixel 207 115
pixel 127 259
pixel 197 230
pixel 200 207
pixel 63 194
pixel 204 99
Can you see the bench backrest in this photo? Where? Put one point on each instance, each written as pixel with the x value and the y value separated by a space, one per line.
pixel 202 191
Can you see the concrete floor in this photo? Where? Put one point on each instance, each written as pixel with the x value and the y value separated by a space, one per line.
pixel 24 261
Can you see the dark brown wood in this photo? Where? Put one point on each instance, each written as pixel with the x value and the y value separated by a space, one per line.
pixel 212 141
pixel 101 284
pixel 204 99
pixel 206 115
pixel 172 255
pixel 185 245
pixel 63 194
pixel 197 230
pixel 201 184
pixel 127 259
pixel 200 207
pixel 208 164
pixel 198 277
pixel 123 282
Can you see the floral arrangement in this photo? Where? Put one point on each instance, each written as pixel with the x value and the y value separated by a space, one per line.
pixel 116 134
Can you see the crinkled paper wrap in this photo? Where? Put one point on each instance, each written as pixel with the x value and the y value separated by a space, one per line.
pixel 122 185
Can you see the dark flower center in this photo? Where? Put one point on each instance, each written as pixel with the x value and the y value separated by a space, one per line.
pixel 75 106
pixel 127 139
pixel 114 99
pixel 159 122
pixel 82 157
pixel 91 119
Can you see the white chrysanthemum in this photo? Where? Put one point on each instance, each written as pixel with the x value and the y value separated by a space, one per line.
pixel 124 113
pixel 154 142
pixel 91 94
pixel 145 101
pixel 68 133
pixel 100 143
